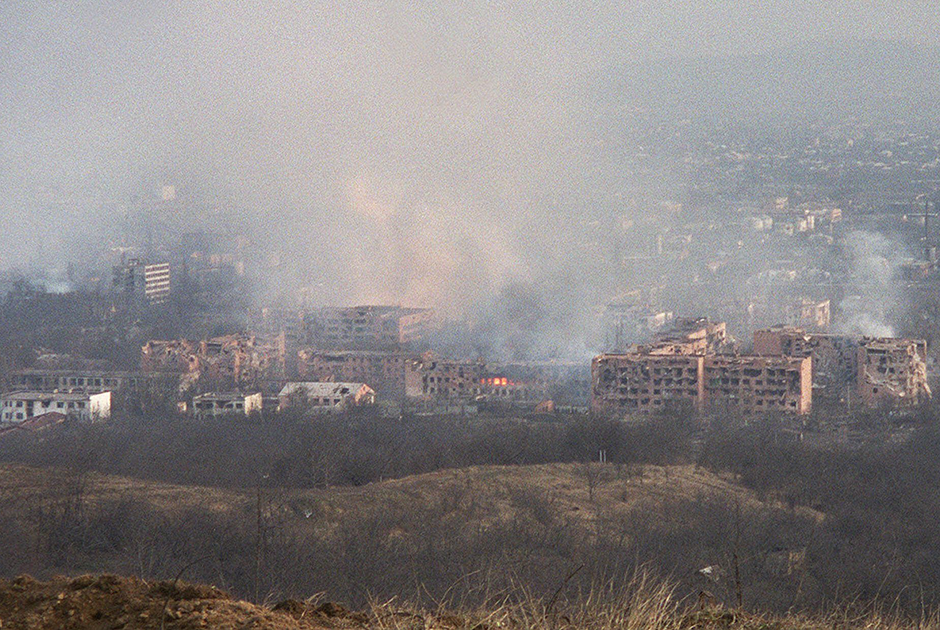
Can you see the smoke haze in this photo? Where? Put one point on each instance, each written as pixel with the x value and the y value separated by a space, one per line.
pixel 408 153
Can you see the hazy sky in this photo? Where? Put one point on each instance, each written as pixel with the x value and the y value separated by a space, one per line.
pixel 444 125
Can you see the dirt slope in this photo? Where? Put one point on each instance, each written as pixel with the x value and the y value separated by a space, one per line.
pixel 109 602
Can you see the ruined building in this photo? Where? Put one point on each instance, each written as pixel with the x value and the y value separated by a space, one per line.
pixel 232 359
pixel 691 335
pixel 791 311
pixel 872 369
pixel 642 382
pixel 430 377
pixel 752 384
pixel 892 370
pixel 383 371
pixel 368 327
pixel 684 366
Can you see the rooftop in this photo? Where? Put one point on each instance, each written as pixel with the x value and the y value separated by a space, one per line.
pixel 321 389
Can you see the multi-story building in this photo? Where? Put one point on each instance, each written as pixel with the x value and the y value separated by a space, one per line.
pixel 172 355
pixel 270 322
pixel 136 281
pixel 384 371
pixel 238 359
pixel 835 357
pixel 626 324
pixel 876 369
pixel 640 383
pixel 157 282
pixel 19 406
pixel 752 385
pixel 368 327
pixel 89 381
pixel 430 377
pixel 691 335
pixel 799 312
pixel 892 370
pixel 685 366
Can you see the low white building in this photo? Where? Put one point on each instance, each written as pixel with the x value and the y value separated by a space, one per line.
pixel 212 405
pixel 16 407
pixel 324 397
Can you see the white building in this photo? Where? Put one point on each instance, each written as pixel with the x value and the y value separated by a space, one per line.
pixel 139 281
pixel 325 397
pixel 17 407
pixel 213 405
pixel 157 282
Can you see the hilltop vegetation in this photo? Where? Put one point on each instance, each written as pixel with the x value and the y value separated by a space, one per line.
pixel 364 508
pixel 481 529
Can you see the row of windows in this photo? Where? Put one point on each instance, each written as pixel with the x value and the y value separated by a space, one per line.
pixel 45 404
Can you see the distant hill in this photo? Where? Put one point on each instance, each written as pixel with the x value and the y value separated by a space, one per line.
pixel 870 80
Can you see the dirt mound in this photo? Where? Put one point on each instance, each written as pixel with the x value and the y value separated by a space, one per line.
pixel 110 602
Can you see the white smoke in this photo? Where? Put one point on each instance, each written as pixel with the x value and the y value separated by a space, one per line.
pixel 874 262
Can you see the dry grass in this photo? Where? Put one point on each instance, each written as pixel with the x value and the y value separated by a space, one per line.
pixel 495 488
pixel 577 494
pixel 641 603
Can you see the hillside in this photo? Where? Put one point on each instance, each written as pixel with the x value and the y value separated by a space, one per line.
pixel 491 494
pixel 472 533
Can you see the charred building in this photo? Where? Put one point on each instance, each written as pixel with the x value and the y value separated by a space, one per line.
pixel 874 369
pixel 383 371
pixel 686 367
pixel 429 377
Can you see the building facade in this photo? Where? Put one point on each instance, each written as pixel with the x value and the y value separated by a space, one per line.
pixel 430 377
pixel 368 327
pixel 876 370
pixel 384 371
pixel 316 397
pixel 16 407
pixel 213 405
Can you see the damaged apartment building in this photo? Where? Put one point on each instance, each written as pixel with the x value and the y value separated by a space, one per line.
pixel 535 385
pixel 231 360
pixel 368 327
pixel 875 370
pixel 383 371
pixel 692 364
